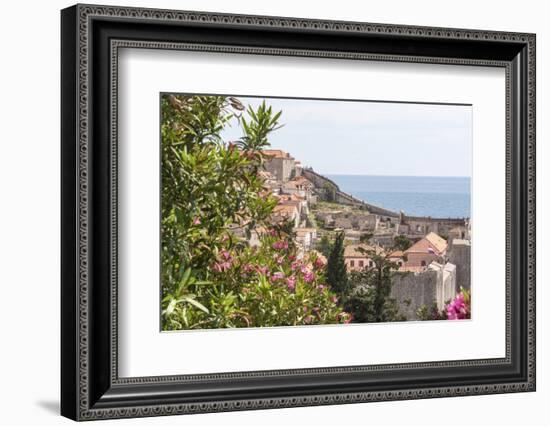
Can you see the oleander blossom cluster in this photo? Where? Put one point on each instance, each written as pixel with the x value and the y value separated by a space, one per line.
pixel 459 307
pixel 272 270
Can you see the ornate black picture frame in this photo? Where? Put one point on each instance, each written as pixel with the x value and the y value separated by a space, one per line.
pixel 91 36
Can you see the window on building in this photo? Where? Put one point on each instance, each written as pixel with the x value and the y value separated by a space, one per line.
pixel 352 263
pixel 361 264
pixel 370 263
pixel 423 263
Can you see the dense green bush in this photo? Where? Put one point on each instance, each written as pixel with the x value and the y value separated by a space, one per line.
pixel 369 298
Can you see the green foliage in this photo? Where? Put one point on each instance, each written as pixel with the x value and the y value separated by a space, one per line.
pixel 329 192
pixel 361 303
pixel 430 313
pixel 365 238
pixel 370 300
pixel 180 307
pixel 337 276
pixel 208 185
pixel 213 199
pixel 324 246
pixel 401 242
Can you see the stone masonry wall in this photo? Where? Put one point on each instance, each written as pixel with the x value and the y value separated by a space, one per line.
pixel 418 289
pixel 459 254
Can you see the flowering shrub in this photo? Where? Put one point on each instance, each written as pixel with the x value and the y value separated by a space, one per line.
pixel 456 309
pixel 459 307
pixel 259 287
pixel 211 277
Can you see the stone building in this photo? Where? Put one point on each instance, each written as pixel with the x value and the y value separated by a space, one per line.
pixel 446 283
pixel 459 254
pixel 343 223
pixel 356 260
pixel 413 290
pixel 280 164
pixel 458 233
pixel 298 186
pixel 383 238
pixel 287 212
pixel 425 251
pixel 306 238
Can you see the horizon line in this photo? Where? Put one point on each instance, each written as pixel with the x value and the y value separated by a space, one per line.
pixel 379 175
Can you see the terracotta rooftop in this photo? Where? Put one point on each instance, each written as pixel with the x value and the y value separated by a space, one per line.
pixel 302 179
pixel 290 197
pixel 439 243
pixel 396 253
pixel 294 204
pixel 297 182
pixel 277 153
pixel 353 250
pixel 431 242
pixel 266 175
pixel 285 209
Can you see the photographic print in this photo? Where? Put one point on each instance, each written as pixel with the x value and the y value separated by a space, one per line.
pixel 297 212
pixel 286 187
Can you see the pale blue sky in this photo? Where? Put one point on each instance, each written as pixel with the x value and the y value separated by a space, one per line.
pixel 372 138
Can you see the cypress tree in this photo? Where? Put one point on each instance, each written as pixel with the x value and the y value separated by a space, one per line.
pixel 337 276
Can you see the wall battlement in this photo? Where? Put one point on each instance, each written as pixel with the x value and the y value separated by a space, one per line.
pixel 342 197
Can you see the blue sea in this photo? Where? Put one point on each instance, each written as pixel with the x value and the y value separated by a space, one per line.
pixel 415 195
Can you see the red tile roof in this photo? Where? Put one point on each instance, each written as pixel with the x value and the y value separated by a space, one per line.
pixel 277 153
pixel 430 243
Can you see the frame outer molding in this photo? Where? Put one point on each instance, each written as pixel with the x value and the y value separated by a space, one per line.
pixel 76 403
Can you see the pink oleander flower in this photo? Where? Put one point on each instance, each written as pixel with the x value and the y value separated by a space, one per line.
pixel 280 245
pixel 458 309
pixel 197 221
pixel 309 277
pixel 334 299
pixel 225 254
pixel 272 232
pixel 277 276
pixel 292 258
pixel 221 266
pixel 262 270
pixel 249 267
pixel 319 263
pixel 320 287
pixel 295 265
pixel 309 319
pixel 291 283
